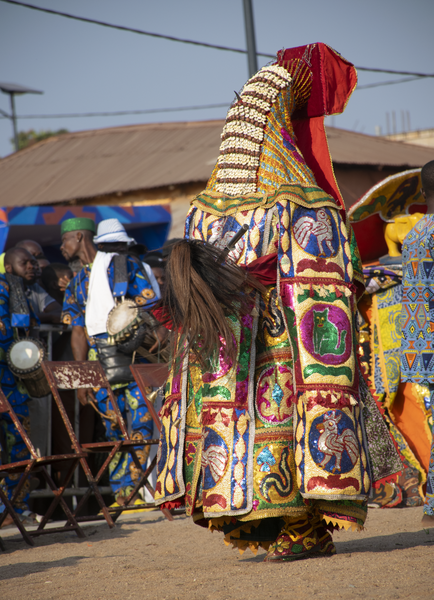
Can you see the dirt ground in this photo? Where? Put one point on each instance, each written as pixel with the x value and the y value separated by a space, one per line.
pixel 149 557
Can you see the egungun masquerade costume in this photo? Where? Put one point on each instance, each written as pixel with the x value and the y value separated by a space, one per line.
pixel 390 316
pixel 276 442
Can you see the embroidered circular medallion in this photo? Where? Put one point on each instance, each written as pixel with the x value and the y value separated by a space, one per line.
pixel 333 442
pixel 214 459
pixel 315 231
pixel 220 238
pixel 326 334
pixel 273 395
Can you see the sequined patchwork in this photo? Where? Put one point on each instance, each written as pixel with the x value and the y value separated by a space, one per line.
pixel 329 454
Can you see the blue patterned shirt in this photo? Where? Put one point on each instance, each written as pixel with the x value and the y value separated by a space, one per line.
pixel 74 304
pixel 417 316
pixel 13 390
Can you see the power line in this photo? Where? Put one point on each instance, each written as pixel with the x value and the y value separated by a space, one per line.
pixel 391 71
pixel 186 41
pixel 119 112
pixel 131 29
pixel 373 85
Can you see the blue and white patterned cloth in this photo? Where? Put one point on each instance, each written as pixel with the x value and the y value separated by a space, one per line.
pixel 122 469
pixel 417 320
pixel 417 349
pixel 15 448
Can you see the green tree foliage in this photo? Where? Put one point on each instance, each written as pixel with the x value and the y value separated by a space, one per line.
pixel 28 138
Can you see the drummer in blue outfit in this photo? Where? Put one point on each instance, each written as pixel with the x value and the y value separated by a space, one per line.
pixel 12 447
pixel 88 299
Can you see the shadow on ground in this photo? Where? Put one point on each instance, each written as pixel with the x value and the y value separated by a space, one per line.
pixel 381 543
pixel 13 541
pixel 30 568
pixel 387 543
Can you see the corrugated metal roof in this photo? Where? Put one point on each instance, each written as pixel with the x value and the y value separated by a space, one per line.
pixel 124 159
pixel 349 147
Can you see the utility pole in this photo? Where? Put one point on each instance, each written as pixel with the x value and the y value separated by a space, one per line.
pixel 13 89
pixel 14 120
pixel 250 37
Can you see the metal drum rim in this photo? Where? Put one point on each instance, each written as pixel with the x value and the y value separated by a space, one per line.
pixel 22 372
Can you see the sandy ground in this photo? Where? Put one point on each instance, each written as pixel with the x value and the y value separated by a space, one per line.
pixel 148 557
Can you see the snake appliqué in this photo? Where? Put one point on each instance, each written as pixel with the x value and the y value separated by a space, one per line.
pixel 282 481
pixel 273 322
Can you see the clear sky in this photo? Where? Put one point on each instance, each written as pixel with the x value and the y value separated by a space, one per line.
pixel 86 68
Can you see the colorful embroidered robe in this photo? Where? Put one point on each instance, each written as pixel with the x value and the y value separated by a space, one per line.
pixel 240 448
pixel 280 433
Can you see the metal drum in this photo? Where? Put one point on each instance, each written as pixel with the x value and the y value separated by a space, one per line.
pixel 132 329
pixel 24 359
pixel 122 321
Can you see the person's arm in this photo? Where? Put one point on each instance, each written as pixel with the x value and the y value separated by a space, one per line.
pixel 79 345
pixel 52 313
pixel 72 314
pixel 80 348
pixel 63 283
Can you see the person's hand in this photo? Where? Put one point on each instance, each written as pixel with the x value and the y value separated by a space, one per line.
pixel 63 283
pixel 84 395
pixel 161 334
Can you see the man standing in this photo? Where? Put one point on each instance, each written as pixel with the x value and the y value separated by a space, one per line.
pixel 20 262
pixel 418 314
pixel 12 447
pixel 88 300
pixel 35 250
pixel 111 236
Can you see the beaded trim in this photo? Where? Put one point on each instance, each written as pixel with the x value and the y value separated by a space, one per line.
pixel 243 132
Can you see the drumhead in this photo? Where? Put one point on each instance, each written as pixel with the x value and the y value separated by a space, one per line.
pixel 25 355
pixel 122 317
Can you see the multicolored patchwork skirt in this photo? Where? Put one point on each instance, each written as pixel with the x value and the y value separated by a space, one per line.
pixel 245 475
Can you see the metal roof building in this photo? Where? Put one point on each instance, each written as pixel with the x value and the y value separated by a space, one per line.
pixel 99 162
pixel 169 162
